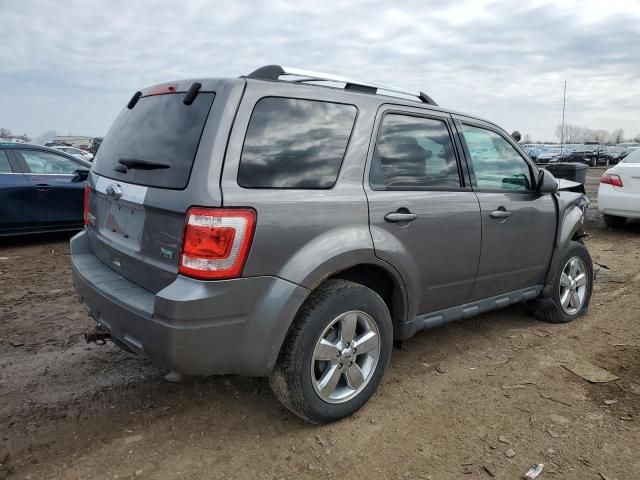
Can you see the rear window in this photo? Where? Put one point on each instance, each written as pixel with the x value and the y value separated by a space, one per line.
pixel 159 129
pixel 293 143
pixel 633 157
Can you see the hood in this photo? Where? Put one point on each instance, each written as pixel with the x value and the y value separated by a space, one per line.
pixel 564 184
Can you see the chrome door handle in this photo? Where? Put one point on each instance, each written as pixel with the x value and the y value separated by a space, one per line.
pixel 500 213
pixel 397 217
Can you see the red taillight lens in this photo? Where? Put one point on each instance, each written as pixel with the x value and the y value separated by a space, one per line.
pixel 216 242
pixel 87 203
pixel 611 179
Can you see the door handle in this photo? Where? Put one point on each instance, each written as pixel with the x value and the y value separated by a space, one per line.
pixel 43 187
pixel 501 212
pixel 400 217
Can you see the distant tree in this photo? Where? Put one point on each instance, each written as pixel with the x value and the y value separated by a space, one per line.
pixel 24 137
pixel 570 133
pixel 527 138
pixel 636 138
pixel 5 133
pixel 617 136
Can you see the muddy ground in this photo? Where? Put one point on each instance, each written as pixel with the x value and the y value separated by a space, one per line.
pixel 475 399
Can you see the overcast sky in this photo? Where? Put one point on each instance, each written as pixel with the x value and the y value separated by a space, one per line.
pixel 70 66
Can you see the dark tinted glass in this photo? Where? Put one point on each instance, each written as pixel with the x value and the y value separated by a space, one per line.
pixel 159 129
pixel 414 153
pixel 4 163
pixel 294 143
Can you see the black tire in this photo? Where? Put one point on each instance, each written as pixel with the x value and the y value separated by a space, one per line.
pixel 613 221
pixel 549 309
pixel 291 379
pixel 593 162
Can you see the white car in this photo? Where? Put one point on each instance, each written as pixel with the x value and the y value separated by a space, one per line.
pixel 619 192
pixel 76 152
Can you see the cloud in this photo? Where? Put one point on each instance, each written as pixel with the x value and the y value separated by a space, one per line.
pixel 75 63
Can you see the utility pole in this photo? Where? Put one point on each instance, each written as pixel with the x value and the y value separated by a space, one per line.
pixel 564 104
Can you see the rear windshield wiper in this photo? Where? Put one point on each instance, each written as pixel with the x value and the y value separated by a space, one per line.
pixel 136 163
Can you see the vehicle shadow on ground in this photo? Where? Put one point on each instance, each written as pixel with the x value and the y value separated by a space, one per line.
pixel 35 239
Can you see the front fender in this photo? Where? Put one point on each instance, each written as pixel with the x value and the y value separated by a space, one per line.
pixel 572 213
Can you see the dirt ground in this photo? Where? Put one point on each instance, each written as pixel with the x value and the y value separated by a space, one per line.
pixel 483 398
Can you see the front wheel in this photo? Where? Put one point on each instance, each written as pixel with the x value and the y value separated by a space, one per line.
pixel 593 162
pixel 571 291
pixel 335 353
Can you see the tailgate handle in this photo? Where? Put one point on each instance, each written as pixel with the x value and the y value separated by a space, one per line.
pixel 401 216
pixel 43 187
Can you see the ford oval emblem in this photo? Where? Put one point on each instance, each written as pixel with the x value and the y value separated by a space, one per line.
pixel 114 191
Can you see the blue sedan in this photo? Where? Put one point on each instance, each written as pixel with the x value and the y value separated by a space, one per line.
pixel 41 190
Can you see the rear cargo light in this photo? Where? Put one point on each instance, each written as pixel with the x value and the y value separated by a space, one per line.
pixel 87 203
pixel 216 242
pixel 611 179
pixel 162 90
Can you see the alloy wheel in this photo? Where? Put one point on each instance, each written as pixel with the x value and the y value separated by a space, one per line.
pixel 345 357
pixel 573 285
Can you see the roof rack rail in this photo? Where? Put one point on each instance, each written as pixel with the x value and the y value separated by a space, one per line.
pixel 274 72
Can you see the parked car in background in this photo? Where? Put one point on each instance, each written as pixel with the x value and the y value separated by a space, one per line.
pixel 587 154
pixel 619 191
pixel 614 152
pixel 41 189
pixel 76 152
pixel 548 155
pixel 95 144
pixel 244 226
pixel 532 151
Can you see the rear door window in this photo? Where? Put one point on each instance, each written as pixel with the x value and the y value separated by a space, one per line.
pixel 294 143
pixel 159 129
pixel 39 162
pixel 414 153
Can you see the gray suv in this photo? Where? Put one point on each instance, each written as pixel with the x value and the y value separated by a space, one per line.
pixel 294 225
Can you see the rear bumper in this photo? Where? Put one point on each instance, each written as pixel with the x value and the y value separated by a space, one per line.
pixel 615 202
pixel 193 327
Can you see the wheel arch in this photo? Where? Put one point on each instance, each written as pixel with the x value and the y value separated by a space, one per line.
pixel 386 284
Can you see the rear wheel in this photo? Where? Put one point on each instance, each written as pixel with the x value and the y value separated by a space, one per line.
pixel 613 221
pixel 335 354
pixel 571 292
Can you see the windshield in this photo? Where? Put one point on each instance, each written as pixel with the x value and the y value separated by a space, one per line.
pixel 159 129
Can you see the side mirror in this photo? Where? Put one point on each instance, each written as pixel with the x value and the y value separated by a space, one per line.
pixel 80 175
pixel 547 183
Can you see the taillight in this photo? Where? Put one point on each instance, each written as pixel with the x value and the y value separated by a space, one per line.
pixel 216 242
pixel 87 202
pixel 611 179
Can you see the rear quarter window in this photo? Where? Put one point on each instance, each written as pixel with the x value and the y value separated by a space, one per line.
pixel 295 143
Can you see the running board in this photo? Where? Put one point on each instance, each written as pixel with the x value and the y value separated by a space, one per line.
pixel 468 310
